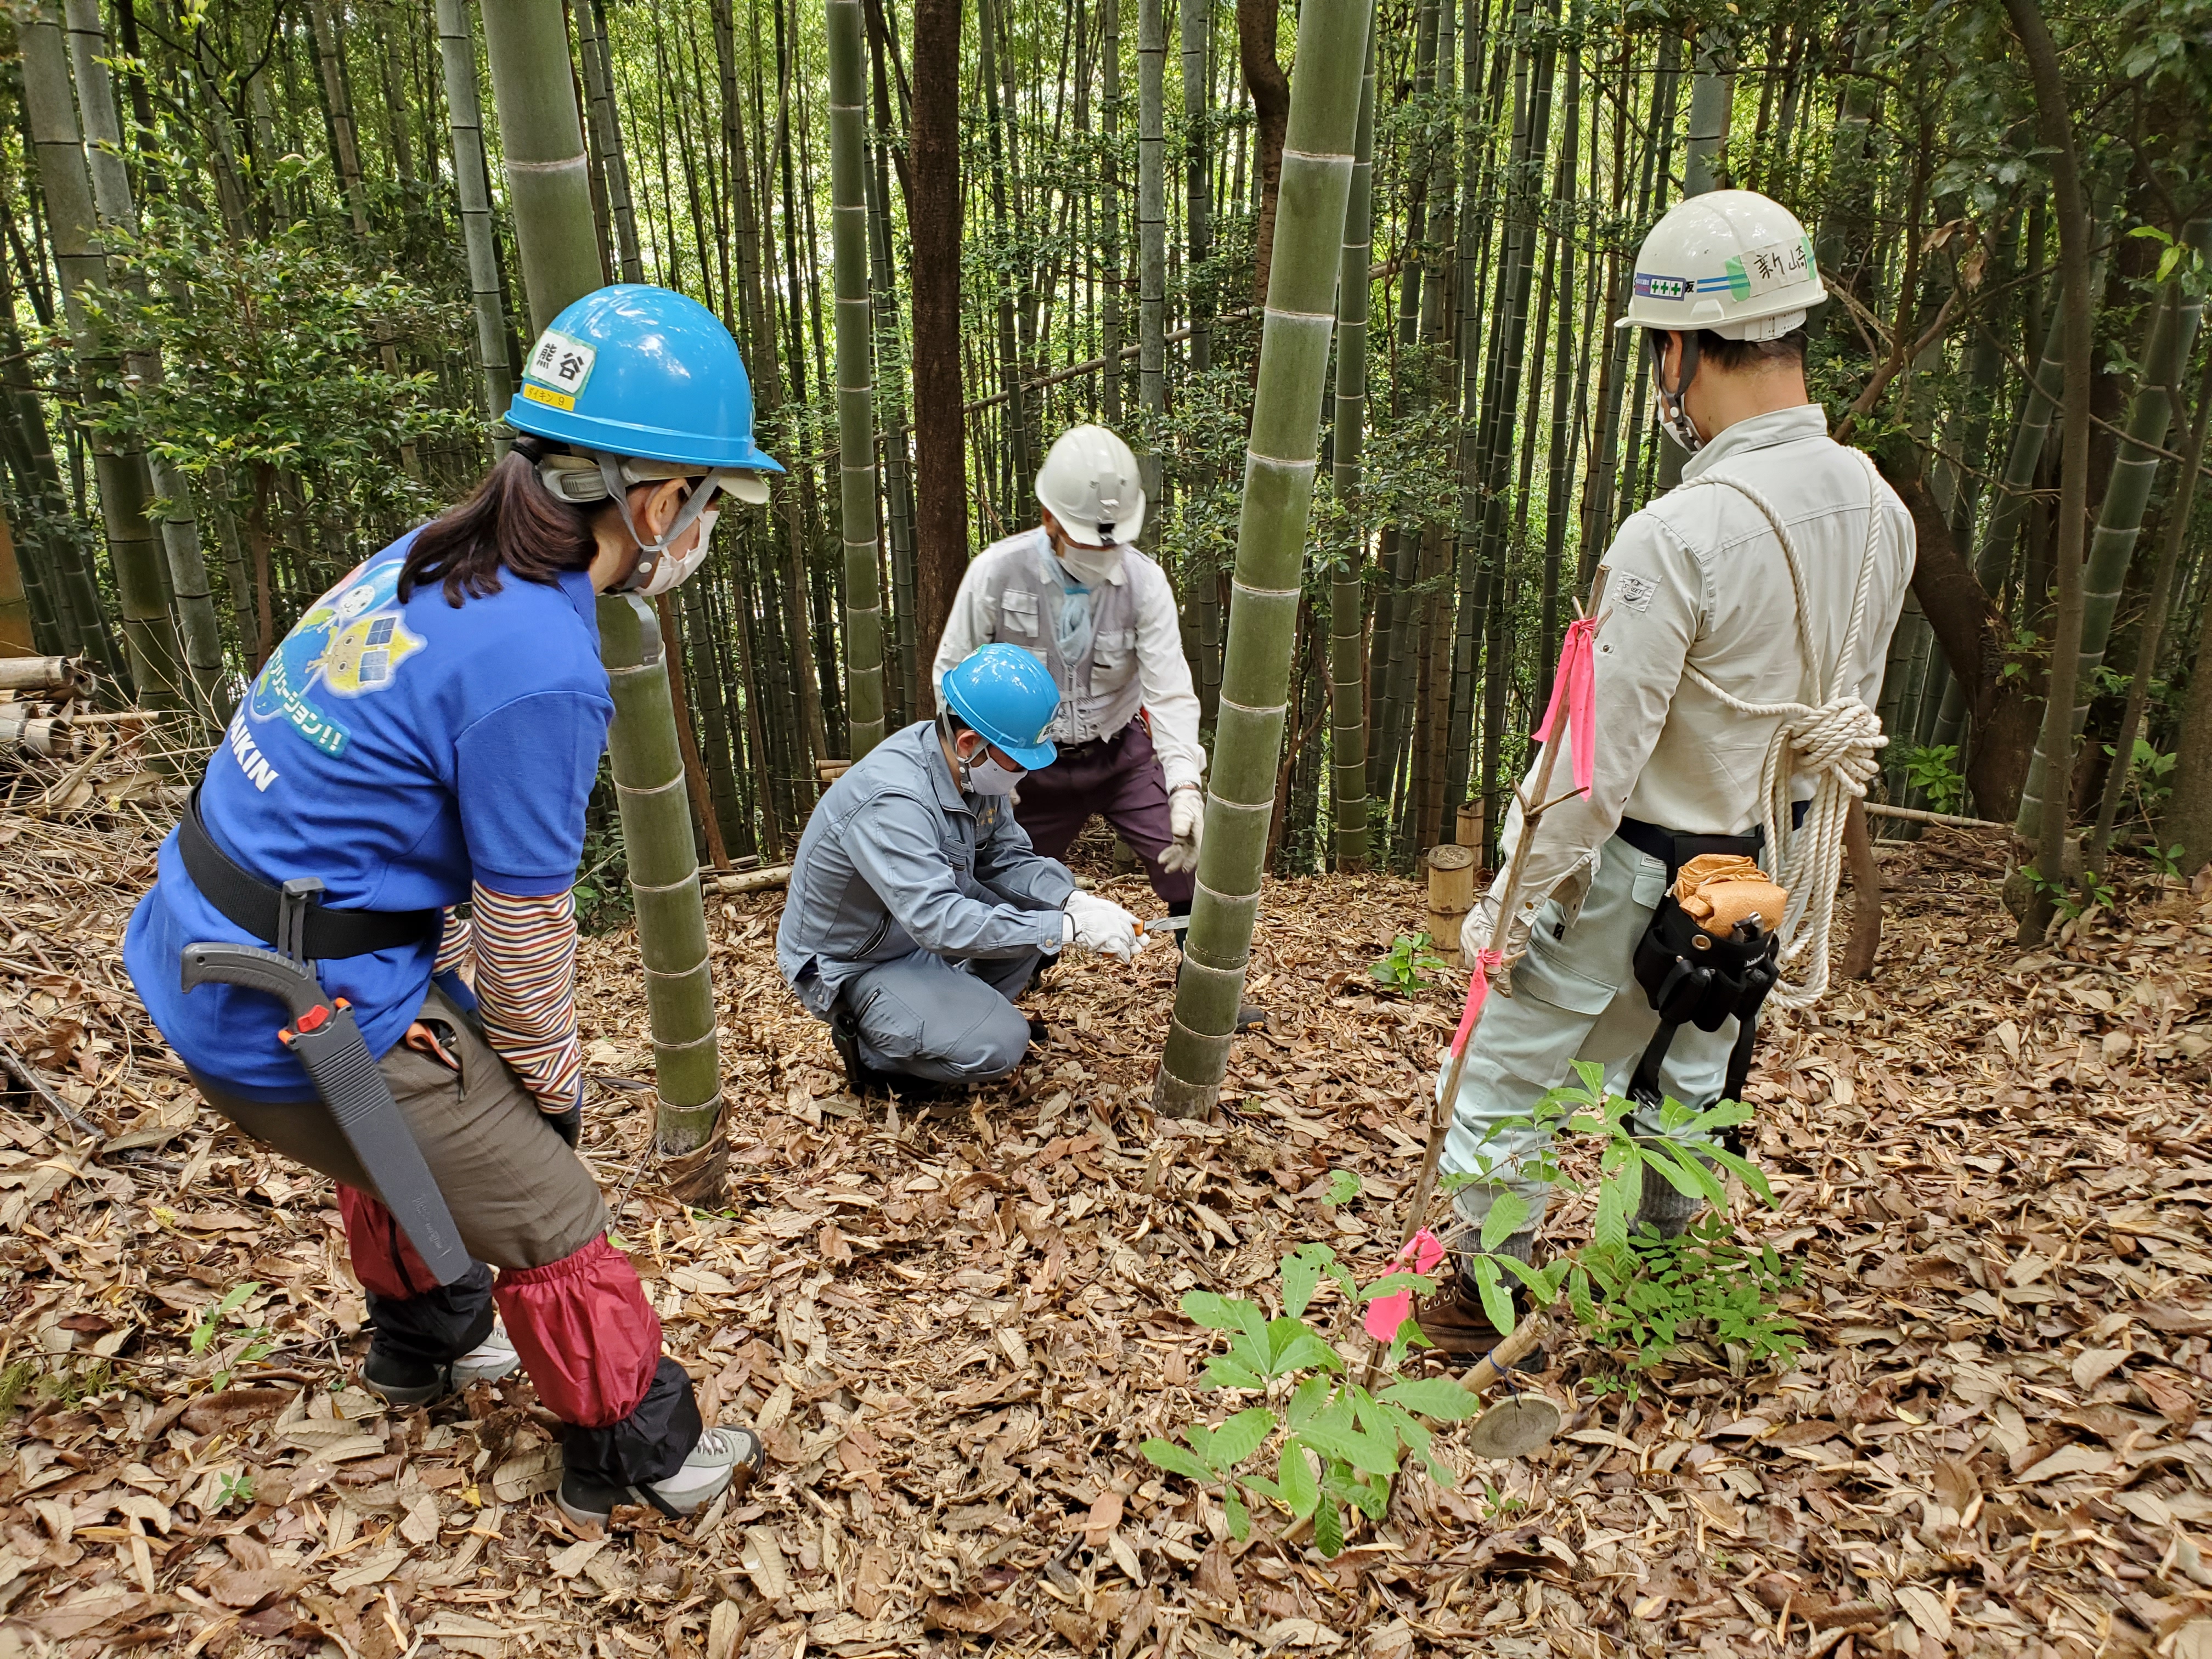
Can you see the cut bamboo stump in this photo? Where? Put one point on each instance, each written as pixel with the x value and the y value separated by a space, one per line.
pixel 1451 895
pixel 51 738
pixel 1469 833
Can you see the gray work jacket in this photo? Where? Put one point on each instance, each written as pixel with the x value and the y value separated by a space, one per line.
pixel 896 859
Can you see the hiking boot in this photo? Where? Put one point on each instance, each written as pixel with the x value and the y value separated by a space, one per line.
pixel 1453 1318
pixel 400 1382
pixel 845 1038
pixel 724 1460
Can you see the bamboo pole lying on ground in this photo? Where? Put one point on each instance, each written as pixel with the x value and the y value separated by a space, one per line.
pixel 69 676
pixel 1914 815
pixel 752 881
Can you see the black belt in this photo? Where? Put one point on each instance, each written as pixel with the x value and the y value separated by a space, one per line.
pixel 246 902
pixel 1089 744
pixel 1676 847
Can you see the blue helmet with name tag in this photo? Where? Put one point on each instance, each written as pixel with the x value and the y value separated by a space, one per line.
pixel 1004 693
pixel 643 372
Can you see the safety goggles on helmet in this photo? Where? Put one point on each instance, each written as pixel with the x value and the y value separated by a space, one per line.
pixel 599 477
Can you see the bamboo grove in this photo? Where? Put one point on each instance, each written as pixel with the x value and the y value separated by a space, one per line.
pixel 263 290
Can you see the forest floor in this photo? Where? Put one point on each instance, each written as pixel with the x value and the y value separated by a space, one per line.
pixel 955 1325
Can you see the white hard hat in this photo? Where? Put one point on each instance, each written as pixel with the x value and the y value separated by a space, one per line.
pixel 1089 483
pixel 1732 261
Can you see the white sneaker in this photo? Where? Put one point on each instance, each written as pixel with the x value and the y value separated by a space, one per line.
pixel 723 1459
pixel 489 1360
pixel 402 1383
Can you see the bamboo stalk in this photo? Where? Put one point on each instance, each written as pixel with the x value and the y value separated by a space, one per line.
pixel 541 130
pixel 2078 309
pixel 1151 247
pixel 457 49
pixel 1348 800
pixel 149 632
pixel 2171 336
pixel 71 677
pixel 200 635
pixel 1278 477
pixel 856 413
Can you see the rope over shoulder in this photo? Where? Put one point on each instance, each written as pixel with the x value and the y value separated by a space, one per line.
pixel 1838 742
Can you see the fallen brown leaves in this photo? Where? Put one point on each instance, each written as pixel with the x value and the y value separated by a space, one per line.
pixel 952 1327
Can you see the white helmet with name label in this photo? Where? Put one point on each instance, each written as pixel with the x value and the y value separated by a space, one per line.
pixel 1732 261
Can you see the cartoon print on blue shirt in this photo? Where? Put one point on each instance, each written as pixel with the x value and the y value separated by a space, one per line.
pixel 351 640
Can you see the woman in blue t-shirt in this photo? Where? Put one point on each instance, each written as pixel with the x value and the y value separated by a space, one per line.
pixel 426 737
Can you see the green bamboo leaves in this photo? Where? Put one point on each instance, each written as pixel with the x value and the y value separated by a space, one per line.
pixel 1278 480
pixel 856 410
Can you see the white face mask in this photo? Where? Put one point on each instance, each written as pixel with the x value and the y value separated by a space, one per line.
pixel 981 774
pixel 672 570
pixel 1090 565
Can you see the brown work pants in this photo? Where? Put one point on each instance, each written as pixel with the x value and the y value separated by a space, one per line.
pixel 519 1196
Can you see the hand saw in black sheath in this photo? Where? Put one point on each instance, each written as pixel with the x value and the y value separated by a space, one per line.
pixel 327 1042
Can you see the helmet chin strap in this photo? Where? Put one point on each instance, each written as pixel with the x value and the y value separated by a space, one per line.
pixel 1673 406
pixel 650 552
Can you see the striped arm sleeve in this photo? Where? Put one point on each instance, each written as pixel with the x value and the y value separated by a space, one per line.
pixel 456 945
pixel 525 950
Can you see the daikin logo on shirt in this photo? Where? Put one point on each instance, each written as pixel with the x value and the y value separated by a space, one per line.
pixel 348 645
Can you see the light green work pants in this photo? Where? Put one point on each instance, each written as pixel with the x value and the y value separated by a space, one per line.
pixel 1575 997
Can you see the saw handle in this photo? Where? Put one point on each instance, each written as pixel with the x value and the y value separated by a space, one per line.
pixel 290 982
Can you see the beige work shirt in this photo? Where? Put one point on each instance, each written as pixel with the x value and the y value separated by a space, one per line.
pixel 1699 578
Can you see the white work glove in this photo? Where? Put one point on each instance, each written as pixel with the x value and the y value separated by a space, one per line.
pixel 1102 925
pixel 1186 819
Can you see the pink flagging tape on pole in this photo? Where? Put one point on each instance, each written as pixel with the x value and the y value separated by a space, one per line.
pixel 1573 694
pixel 1478 990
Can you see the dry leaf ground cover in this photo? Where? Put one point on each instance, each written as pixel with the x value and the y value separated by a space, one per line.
pixel 955 1325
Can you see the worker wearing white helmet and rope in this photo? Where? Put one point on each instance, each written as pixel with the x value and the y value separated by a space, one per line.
pixel 1100 614
pixel 1743 623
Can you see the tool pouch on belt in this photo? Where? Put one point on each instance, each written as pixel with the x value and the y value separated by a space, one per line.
pixel 1695 979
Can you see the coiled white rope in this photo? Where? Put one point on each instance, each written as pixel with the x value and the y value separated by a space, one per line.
pixel 1837 741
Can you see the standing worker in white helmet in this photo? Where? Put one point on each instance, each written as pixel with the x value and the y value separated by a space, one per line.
pixel 1077 594
pixel 1743 623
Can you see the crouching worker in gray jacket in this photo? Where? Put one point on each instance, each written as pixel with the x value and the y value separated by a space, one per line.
pixel 918 909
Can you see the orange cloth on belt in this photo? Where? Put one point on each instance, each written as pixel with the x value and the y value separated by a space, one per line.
pixel 1720 889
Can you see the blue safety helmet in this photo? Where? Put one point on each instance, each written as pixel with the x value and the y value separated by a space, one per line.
pixel 643 372
pixel 1005 695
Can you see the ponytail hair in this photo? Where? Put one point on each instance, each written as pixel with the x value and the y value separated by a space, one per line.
pixel 512 525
